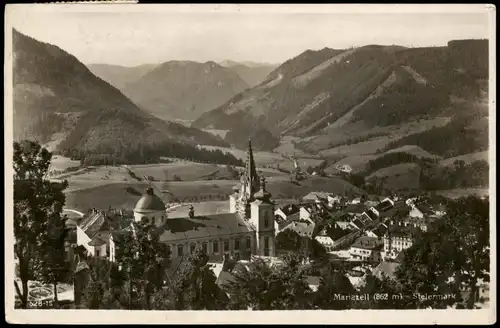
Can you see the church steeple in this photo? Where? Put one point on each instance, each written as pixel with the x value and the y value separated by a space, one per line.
pixel 251 178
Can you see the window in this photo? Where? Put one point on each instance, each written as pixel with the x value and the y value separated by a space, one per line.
pixel 180 250
pixel 97 252
pixel 216 247
pixel 226 246
pixel 249 243
pixel 153 220
pixel 266 242
pixel 204 246
pixel 266 221
pixel 192 248
pixel 237 244
pixel 169 249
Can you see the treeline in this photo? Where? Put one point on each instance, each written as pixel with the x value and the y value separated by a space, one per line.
pixel 433 176
pixel 460 175
pixel 359 139
pixel 395 158
pixel 147 154
pixel 453 139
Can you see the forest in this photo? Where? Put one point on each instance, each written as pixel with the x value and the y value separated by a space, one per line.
pixel 149 154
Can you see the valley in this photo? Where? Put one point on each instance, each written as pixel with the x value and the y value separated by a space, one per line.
pixel 380 112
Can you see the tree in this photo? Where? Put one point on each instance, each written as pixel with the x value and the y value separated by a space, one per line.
pixel 451 256
pixel 53 266
pixel 277 287
pixel 38 204
pixel 142 259
pixel 194 287
pixel 333 281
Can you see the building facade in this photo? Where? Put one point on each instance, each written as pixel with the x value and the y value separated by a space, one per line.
pixel 247 229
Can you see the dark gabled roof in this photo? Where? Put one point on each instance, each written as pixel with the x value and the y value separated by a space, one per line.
pixel 96 241
pixel 380 230
pixel 400 208
pixel 383 206
pixel 401 230
pixel 355 208
pixel 358 223
pixel 203 226
pixel 366 242
pixel 372 215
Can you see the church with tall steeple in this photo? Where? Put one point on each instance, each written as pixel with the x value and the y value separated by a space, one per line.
pixel 240 200
pixel 246 230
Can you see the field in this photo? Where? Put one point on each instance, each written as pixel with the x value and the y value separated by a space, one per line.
pixel 359 163
pixel 61 163
pixel 467 158
pixel 264 158
pixel 376 138
pixel 398 177
pixel 457 193
pixel 126 194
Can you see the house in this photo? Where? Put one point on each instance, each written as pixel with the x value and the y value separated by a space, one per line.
pixel 302 228
pixel 93 231
pixel 378 232
pixel 344 168
pixel 317 196
pixel 355 208
pixel 288 212
pixel 397 238
pixel 367 249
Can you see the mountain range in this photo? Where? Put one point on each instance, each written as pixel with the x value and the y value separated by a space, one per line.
pixel 182 90
pixel 252 73
pixel 332 97
pixel 60 102
pixel 348 104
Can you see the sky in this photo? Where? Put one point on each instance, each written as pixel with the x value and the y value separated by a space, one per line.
pixel 154 34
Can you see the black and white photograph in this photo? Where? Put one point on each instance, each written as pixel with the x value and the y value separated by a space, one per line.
pixel 197 163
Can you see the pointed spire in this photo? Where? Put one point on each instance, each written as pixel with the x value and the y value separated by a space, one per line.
pixel 251 178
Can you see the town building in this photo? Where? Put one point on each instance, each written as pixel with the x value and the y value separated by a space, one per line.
pixel 248 229
pixel 366 249
pixel 398 238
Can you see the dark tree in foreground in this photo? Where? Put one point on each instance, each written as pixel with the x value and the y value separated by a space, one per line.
pixel 38 225
pixel 142 260
pixel 453 255
pixel 277 287
pixel 194 287
pixel 333 281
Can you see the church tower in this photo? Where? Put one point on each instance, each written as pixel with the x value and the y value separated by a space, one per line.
pixel 262 219
pixel 240 201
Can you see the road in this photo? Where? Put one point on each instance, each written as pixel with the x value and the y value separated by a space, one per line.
pixel 73 211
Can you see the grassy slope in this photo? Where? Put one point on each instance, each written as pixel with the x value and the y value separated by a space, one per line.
pixel 116 195
pixel 55 94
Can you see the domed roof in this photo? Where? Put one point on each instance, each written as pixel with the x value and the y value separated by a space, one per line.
pixel 149 202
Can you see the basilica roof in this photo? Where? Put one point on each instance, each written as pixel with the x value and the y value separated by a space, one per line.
pixel 203 226
pixel 149 202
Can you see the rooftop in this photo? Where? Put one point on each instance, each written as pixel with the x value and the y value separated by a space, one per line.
pixel 366 242
pixel 224 224
pixel 149 202
pixel 304 229
pixel 290 209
